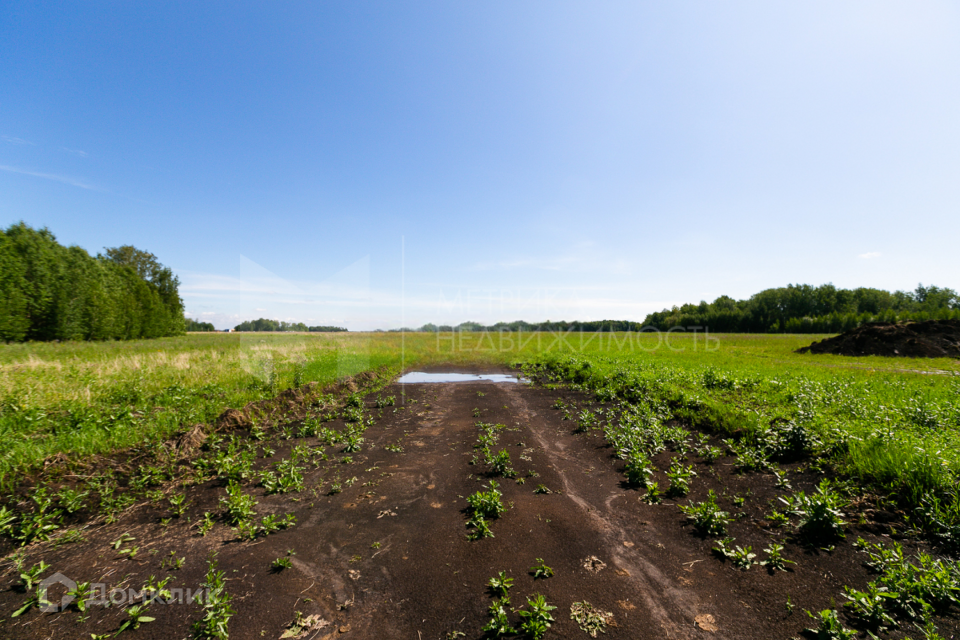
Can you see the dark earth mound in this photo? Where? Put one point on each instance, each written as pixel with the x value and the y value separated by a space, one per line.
pixel 928 339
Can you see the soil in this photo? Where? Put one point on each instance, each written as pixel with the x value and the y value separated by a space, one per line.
pixel 927 339
pixel 389 556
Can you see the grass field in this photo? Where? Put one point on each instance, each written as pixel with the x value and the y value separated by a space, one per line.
pixel 900 417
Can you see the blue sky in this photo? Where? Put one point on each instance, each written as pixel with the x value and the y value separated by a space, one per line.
pixel 367 164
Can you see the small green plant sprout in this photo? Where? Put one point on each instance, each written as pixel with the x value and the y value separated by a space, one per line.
pixel 499 623
pixel 742 557
pixel 476 413
pixel 653 494
pixel 130 552
pixel 31 577
pixel 500 584
pixel 453 635
pixel 38 599
pixel 820 513
pixel 536 618
pixel 540 570
pixel 8 520
pixel 711 454
pixel 153 590
pixel 723 549
pixel 375 545
pixel 778 519
pixel 238 507
pixel 72 499
pixel 775 559
pixel 707 517
pixel 216 606
pixel 382 402
pixel 590 619
pixel 542 489
pixel 783 482
pixel 173 562
pixel 81 595
pixel 500 464
pixel 487 504
pixel 738 501
pixel 870 606
pixel 638 469
pixel 281 563
pixel 205 524
pixel 178 504
pixel 829 627
pixel 122 540
pixel 679 476
pixel 479 529
pixel 135 617
pixel 789 606
pixel 394 448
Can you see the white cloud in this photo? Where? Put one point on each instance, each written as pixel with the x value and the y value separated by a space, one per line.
pixel 75 152
pixel 14 140
pixel 73 182
pixel 869 255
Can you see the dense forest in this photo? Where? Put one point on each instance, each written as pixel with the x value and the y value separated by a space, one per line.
pixel 520 325
pixel 195 325
pixel 263 324
pixel 52 292
pixel 807 309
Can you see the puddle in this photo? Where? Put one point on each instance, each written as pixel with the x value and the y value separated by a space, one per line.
pixel 418 377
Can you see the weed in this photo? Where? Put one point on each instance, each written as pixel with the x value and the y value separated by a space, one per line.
pixel 487 504
pixel 178 504
pixel 500 464
pixel 499 623
pixel 542 490
pixel 500 584
pixel 778 519
pixel 820 514
pixel 478 529
pixel 775 559
pixel 32 576
pixel 653 495
pixel 829 627
pixel 281 563
pixel 870 606
pixel 537 618
pixel 238 506
pixel 205 525
pixel 679 476
pixel 707 517
pixel 540 570
pixel 216 606
pixel 135 617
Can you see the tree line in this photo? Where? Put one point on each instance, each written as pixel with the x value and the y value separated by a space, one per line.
pixel 52 292
pixel 265 324
pixel 574 326
pixel 804 308
pixel 195 325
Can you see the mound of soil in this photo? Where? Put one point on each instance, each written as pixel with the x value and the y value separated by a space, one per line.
pixel 928 339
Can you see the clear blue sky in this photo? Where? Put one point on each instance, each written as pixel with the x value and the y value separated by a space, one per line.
pixel 510 160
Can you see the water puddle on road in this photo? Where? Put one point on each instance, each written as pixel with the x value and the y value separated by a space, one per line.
pixel 419 377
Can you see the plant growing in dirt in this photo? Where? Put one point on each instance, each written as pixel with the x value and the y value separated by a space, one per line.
pixel 135 617
pixel 499 623
pixel 540 570
pixel 216 606
pixel 388 401
pixel 205 525
pixel 500 464
pixel 778 519
pixel 154 589
pixel 775 559
pixel 536 618
pixel 820 513
pixel 638 469
pixel 487 504
pixel 352 443
pixel 500 584
pixel 542 489
pixel 679 476
pixel 238 507
pixel 870 606
pixel 72 500
pixel 178 504
pixel 829 627
pixel 286 477
pixel 742 557
pixel 31 577
pixel 281 563
pixel 82 594
pixel 479 529
pixel 707 517
pixel 653 494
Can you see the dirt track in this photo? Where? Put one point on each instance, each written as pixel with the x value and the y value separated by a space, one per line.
pixel 389 556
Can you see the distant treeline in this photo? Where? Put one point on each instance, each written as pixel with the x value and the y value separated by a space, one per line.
pixel 520 325
pixel 807 309
pixel 263 324
pixel 52 292
pixel 196 325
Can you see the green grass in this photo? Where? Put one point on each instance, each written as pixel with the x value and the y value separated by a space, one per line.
pixel 92 398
